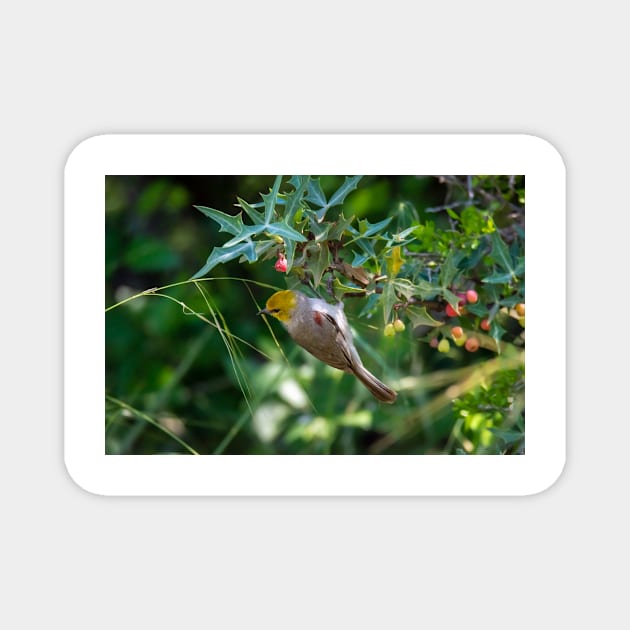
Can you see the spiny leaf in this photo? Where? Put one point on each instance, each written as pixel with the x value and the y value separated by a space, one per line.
pixel 498 277
pixel 501 254
pixel 318 262
pixel 227 223
pixel 285 231
pixel 419 316
pixel 367 246
pixel 342 192
pixel 270 199
pixel 252 213
pixel 450 268
pixel 293 199
pixel 369 229
pixel 425 290
pixel 289 250
pixel 247 231
pixel 359 259
pixel 388 299
pixel 320 230
pixel 315 193
pixel 405 287
pixel 224 254
pixel 399 237
pixel 339 227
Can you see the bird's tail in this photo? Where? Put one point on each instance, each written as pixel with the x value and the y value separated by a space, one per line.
pixel 379 390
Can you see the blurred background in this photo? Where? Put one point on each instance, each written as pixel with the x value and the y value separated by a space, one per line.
pixel 174 384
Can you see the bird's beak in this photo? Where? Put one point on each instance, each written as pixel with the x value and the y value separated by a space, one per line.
pixel 263 312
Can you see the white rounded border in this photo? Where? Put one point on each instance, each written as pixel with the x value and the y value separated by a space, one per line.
pixel 384 475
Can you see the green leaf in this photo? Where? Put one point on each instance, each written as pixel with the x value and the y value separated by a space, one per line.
pixel 496 332
pixel 419 316
pixel 252 213
pixel 450 268
pixel 319 262
pixel 247 231
pixel 404 287
pixel 389 299
pixel 285 232
pixel 270 199
pixel 350 184
pixel 498 277
pixel 479 309
pixel 367 246
pixel 501 254
pixel 359 259
pixel 320 230
pixel 315 194
pixel 262 247
pixel 425 290
pixel 370 305
pixel 452 214
pixel 339 227
pixel 289 250
pixel 399 237
pixel 473 258
pixel 293 199
pixel 227 223
pixel 224 254
pixel 369 229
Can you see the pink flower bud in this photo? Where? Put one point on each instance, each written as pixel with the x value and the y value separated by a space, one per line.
pixel 281 263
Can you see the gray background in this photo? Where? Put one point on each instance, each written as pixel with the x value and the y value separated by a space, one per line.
pixel 71 70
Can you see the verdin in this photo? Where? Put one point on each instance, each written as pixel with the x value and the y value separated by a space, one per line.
pixel 322 329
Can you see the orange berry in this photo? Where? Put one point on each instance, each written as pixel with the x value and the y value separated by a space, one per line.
pixel 520 309
pixel 457 332
pixel 471 296
pixel 472 344
pixel 485 324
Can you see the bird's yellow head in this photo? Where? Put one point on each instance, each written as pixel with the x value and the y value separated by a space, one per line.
pixel 280 305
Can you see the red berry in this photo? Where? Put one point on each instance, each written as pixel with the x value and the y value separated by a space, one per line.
pixel 472 344
pixel 457 332
pixel 485 324
pixel 471 296
pixel 450 311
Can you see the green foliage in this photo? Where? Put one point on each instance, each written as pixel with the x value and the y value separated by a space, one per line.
pixel 190 368
pixel 491 417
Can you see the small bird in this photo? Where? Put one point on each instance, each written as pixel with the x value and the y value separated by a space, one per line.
pixel 322 329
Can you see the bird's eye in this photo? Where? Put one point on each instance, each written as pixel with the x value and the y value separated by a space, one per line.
pixel 275 310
